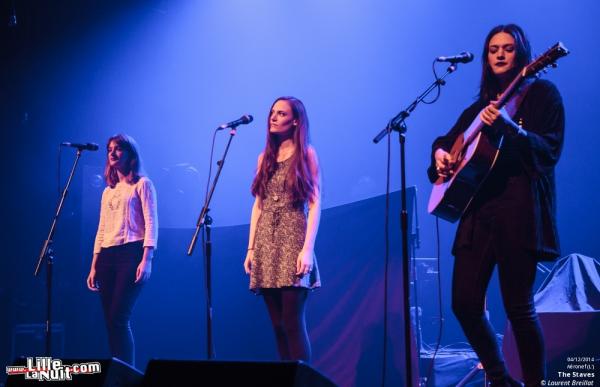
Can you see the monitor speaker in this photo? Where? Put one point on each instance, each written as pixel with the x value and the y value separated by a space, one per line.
pixel 233 373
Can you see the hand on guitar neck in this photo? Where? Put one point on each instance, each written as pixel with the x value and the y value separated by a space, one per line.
pixel 444 163
pixel 500 119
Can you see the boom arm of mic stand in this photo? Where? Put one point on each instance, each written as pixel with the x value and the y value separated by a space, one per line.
pixel 205 210
pixel 59 207
pixel 398 121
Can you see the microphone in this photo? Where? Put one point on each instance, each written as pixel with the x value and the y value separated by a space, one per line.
pixel 88 146
pixel 463 57
pixel 245 119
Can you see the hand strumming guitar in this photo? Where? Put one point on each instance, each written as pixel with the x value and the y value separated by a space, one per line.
pixel 444 163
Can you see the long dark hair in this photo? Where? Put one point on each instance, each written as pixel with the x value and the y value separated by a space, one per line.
pixel 135 169
pixel 301 181
pixel 490 85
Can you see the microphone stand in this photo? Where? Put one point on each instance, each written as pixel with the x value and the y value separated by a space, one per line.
pixel 415 244
pixel 47 254
pixel 398 124
pixel 205 221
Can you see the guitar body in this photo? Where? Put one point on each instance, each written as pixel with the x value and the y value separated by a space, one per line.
pixel 476 153
pixel 450 197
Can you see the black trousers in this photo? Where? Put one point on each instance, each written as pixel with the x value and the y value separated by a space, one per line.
pixel 115 273
pixel 495 243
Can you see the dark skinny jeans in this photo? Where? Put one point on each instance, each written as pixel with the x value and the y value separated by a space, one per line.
pixel 115 272
pixel 473 269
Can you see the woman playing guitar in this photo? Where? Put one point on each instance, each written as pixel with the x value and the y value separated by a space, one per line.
pixel 511 220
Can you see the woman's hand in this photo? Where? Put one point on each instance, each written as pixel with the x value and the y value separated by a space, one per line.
pixel 91 281
pixel 143 271
pixel 248 261
pixel 444 163
pixel 492 116
pixel 304 264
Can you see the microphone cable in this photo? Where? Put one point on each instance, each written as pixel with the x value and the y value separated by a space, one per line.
pixel 439 83
pixel 212 149
pixel 58 170
pixel 386 259
pixel 204 236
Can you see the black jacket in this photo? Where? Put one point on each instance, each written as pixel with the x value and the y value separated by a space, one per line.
pixel 520 190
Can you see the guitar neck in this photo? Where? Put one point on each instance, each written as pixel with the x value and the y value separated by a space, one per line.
pixel 510 90
pixel 477 125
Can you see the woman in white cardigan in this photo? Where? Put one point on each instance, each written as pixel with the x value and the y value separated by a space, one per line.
pixel 125 241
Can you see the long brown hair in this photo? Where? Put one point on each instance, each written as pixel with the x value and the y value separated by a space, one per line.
pixel 490 86
pixel 136 171
pixel 302 178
